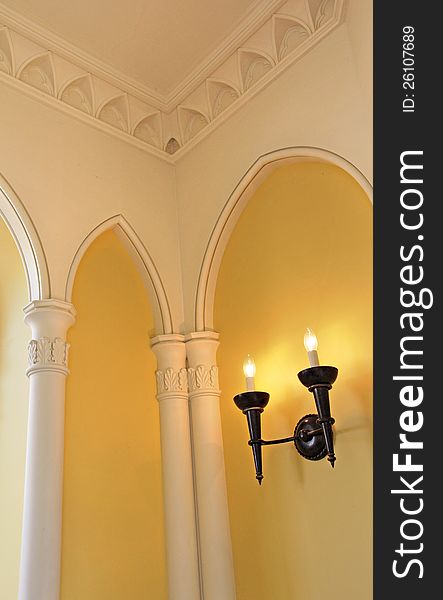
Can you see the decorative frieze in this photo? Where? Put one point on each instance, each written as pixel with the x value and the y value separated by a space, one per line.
pixel 161 124
pixel 45 353
pixel 203 377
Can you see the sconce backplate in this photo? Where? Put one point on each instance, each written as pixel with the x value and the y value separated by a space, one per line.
pixel 311 447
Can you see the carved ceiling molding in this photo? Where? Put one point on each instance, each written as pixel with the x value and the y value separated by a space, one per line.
pixel 35 64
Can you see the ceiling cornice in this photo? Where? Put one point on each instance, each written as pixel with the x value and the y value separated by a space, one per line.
pixel 164 102
pixel 265 44
pixel 50 41
pixel 245 29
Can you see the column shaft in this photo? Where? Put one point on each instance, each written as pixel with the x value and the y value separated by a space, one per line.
pixel 213 518
pixel 178 487
pixel 42 510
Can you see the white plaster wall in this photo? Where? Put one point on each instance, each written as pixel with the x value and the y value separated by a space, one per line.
pixel 70 177
pixel 359 23
pixel 318 101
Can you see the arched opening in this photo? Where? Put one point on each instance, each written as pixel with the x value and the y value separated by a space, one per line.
pixel 113 539
pixel 28 242
pixel 14 338
pixel 142 260
pixel 299 255
pixel 246 187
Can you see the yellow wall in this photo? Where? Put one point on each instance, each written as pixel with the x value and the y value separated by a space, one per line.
pixel 14 338
pixel 300 256
pixel 113 541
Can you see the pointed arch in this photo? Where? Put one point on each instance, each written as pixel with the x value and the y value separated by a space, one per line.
pixel 115 112
pixel 253 177
pixel 142 259
pixel 38 71
pixel 78 92
pixel 28 242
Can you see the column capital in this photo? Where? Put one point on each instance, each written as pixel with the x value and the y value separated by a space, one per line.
pixel 49 321
pixel 201 348
pixel 170 352
pixel 172 383
pixel 208 336
pixel 47 354
pixel 203 381
pixel 49 318
pixel 50 304
pixel 167 338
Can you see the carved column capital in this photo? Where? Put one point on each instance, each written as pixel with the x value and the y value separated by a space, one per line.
pixel 45 354
pixel 49 321
pixel 171 381
pixel 201 348
pixel 171 375
pixel 203 378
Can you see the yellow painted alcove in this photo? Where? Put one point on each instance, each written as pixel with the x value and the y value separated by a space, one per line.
pixel 14 339
pixel 113 538
pixel 300 256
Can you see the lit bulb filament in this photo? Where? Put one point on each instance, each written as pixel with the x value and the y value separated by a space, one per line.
pixel 311 345
pixel 249 371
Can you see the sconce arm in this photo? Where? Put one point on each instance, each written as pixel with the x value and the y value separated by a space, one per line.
pixel 271 442
pixel 303 435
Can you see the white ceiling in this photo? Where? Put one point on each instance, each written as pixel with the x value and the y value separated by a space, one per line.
pixel 158 43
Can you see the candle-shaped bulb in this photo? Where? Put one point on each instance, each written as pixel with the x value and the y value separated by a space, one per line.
pixel 311 345
pixel 310 341
pixel 249 371
pixel 249 366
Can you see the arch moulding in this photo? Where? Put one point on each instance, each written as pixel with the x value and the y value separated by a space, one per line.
pixel 253 177
pixel 143 261
pixel 27 240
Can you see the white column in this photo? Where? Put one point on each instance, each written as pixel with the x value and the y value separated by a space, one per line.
pixel 212 503
pixel 178 486
pixel 42 511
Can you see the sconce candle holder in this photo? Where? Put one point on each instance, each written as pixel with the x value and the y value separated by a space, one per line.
pixel 313 435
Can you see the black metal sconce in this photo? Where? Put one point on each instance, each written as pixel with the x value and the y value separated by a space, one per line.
pixel 313 435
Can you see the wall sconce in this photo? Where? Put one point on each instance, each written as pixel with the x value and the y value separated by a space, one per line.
pixel 313 436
